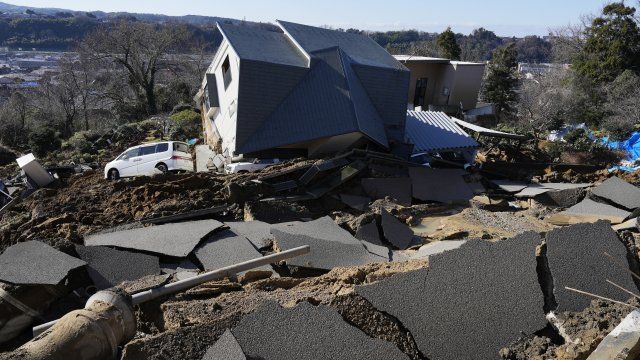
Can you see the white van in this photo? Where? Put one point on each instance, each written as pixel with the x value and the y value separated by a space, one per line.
pixel 148 159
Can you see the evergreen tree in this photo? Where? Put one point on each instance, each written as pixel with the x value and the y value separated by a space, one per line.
pixel 448 45
pixel 501 80
pixel 612 45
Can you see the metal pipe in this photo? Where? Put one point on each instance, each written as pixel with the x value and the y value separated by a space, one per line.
pixel 177 286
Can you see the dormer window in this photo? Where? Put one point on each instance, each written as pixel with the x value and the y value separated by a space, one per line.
pixel 226 72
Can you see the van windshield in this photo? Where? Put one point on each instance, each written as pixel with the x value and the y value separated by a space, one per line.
pixel 182 147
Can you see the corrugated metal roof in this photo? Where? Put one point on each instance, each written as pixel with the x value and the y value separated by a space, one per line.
pixel 432 131
pixel 487 132
pixel 252 43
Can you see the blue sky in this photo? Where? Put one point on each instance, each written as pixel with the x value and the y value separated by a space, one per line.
pixel 505 17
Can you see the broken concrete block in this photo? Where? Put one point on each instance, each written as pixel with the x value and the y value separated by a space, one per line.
pixel 109 267
pixel 396 232
pixel 631 224
pixel 34 170
pixel 437 247
pixel 510 186
pixel 561 198
pixel 226 348
pixel 576 259
pixel 257 232
pixel 304 332
pixel 623 343
pixel 442 185
pixel 467 301
pixel 395 188
pixel 589 211
pixel 618 192
pixel 35 263
pixel 225 249
pixel 355 202
pixel 176 240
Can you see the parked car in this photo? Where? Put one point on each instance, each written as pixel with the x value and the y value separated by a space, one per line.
pixel 246 167
pixel 147 159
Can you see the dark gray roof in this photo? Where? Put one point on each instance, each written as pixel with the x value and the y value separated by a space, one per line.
pixel 361 48
pixel 350 85
pixel 329 101
pixel 433 131
pixel 252 43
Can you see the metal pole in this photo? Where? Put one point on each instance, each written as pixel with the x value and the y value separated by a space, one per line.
pixel 181 285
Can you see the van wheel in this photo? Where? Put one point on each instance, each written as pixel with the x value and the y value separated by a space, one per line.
pixel 113 175
pixel 162 167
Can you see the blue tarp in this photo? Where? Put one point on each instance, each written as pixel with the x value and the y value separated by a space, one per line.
pixel 631 146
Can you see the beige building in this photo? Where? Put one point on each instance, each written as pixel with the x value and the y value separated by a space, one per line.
pixel 441 84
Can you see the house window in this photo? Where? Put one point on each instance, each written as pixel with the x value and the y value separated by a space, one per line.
pixel 226 72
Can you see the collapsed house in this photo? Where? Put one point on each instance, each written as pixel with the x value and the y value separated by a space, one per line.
pixel 442 84
pixel 304 91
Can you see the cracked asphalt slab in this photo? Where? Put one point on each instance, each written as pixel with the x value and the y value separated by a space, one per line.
pixel 466 302
pixel 576 259
pixel 36 263
pixel 109 267
pixel 619 192
pixel 176 240
pixel 305 332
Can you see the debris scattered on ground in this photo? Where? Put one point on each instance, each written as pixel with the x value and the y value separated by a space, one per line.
pixel 589 211
pixel 619 192
pixel 441 185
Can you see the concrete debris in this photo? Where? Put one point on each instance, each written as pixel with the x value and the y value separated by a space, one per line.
pixel 176 240
pixel 619 192
pixel 437 247
pixel 395 188
pixel 184 216
pixel 576 259
pixel 561 198
pixel 449 307
pixel 226 248
pixel 182 266
pixel 533 190
pixel 631 224
pixel 257 232
pixel 589 211
pixel 36 263
pixel 396 232
pixel 303 333
pixel 109 267
pixel 226 348
pixel 355 202
pixel 369 233
pixel 623 343
pixel 442 185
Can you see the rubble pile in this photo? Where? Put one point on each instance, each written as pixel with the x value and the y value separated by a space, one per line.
pixel 405 261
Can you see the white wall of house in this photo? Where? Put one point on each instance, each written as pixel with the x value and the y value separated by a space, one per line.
pixel 225 119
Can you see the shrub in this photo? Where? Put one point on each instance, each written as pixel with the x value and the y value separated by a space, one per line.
pixel 81 142
pixel 186 125
pixel 43 140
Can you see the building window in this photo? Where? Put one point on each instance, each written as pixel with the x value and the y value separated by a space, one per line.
pixel 226 72
pixel 419 98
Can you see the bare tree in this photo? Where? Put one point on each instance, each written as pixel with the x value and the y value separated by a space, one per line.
pixel 138 48
pixel 567 41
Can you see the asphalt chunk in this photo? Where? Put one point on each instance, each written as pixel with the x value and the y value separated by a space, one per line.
pixel 442 185
pixel 471 300
pixel 305 332
pixel 396 232
pixel 619 192
pixel 355 202
pixel 576 259
pixel 176 240
pixel 109 267
pixel 225 249
pixel 257 232
pixel 226 348
pixel 369 233
pixel 324 254
pixel 36 263
pixel 395 188
pixel 589 211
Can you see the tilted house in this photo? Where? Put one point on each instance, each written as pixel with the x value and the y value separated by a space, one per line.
pixel 305 91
